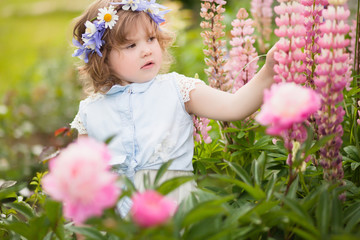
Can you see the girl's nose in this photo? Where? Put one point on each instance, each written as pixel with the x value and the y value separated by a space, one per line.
pixel 146 51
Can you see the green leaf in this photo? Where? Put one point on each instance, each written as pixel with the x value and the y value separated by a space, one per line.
pixel 255 192
pixel 318 144
pixel 304 234
pixel 88 232
pixel 211 160
pixel 240 135
pixel 171 184
pixel 198 214
pixel 10 192
pixel 20 228
pixel 351 210
pixel 295 206
pixel 270 186
pixel 262 142
pixel 293 188
pixel 262 208
pixel 353 221
pixel 353 153
pixel 223 234
pixel 164 167
pixel 129 184
pixel 354 165
pixel 354 91
pixel 7 184
pixel 53 211
pixel 109 139
pixel 323 212
pixel 22 208
pixel 259 168
pixel 240 172
pixel 336 215
pixel 238 213
pixel 311 199
pixel 309 139
pixel 241 233
pixel 345 236
pixel 277 156
pixel 309 226
pixel 205 210
pixel 39 227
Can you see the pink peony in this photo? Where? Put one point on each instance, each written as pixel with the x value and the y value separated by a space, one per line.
pixel 150 208
pixel 80 177
pixel 286 104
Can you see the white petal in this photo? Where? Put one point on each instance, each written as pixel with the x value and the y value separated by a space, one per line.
pixel 134 6
pixel 126 7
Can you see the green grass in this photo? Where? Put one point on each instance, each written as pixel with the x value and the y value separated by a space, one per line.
pixel 28 39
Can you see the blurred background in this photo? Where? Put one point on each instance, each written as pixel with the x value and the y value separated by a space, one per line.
pixel 39 88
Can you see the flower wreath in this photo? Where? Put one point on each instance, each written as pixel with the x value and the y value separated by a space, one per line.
pixel 107 18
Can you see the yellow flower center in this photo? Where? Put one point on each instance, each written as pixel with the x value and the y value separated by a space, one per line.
pixel 107 17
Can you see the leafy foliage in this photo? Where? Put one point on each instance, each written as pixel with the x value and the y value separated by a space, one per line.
pixel 244 189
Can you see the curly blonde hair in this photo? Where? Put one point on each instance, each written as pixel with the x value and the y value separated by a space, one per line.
pixel 96 75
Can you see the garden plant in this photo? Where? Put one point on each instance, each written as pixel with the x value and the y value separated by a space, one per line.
pixel 289 171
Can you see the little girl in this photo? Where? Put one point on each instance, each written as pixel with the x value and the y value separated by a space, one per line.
pixel 147 114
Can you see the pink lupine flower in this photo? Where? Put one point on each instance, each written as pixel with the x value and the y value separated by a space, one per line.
pixel 151 209
pixel 201 129
pixel 312 18
pixel 332 77
pixel 212 12
pixel 262 13
pixel 286 104
pixel 80 178
pixel 242 64
pixel 292 32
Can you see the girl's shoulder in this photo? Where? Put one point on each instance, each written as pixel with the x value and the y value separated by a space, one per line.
pixel 91 98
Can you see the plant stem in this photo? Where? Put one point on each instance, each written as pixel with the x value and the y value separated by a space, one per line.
pixel 291 179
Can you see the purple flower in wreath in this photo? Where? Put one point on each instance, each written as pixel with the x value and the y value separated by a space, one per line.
pixel 92 39
pixel 153 9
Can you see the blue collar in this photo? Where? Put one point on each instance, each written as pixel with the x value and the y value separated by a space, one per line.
pixel 133 87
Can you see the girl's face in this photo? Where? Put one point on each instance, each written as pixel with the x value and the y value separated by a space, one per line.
pixel 138 61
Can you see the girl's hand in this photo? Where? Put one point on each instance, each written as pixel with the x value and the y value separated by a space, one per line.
pixel 270 61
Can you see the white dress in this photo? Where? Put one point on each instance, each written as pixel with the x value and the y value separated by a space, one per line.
pixel 150 125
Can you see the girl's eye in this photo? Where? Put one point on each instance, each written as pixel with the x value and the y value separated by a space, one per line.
pixel 131 46
pixel 151 39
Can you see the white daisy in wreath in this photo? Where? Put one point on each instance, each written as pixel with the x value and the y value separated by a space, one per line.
pixel 108 15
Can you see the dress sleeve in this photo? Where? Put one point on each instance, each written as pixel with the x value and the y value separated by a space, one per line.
pixel 80 122
pixel 78 125
pixel 185 85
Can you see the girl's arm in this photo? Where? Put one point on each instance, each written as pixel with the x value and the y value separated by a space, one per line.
pixel 215 104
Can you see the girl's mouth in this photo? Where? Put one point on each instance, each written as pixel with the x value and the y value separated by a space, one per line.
pixel 148 65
